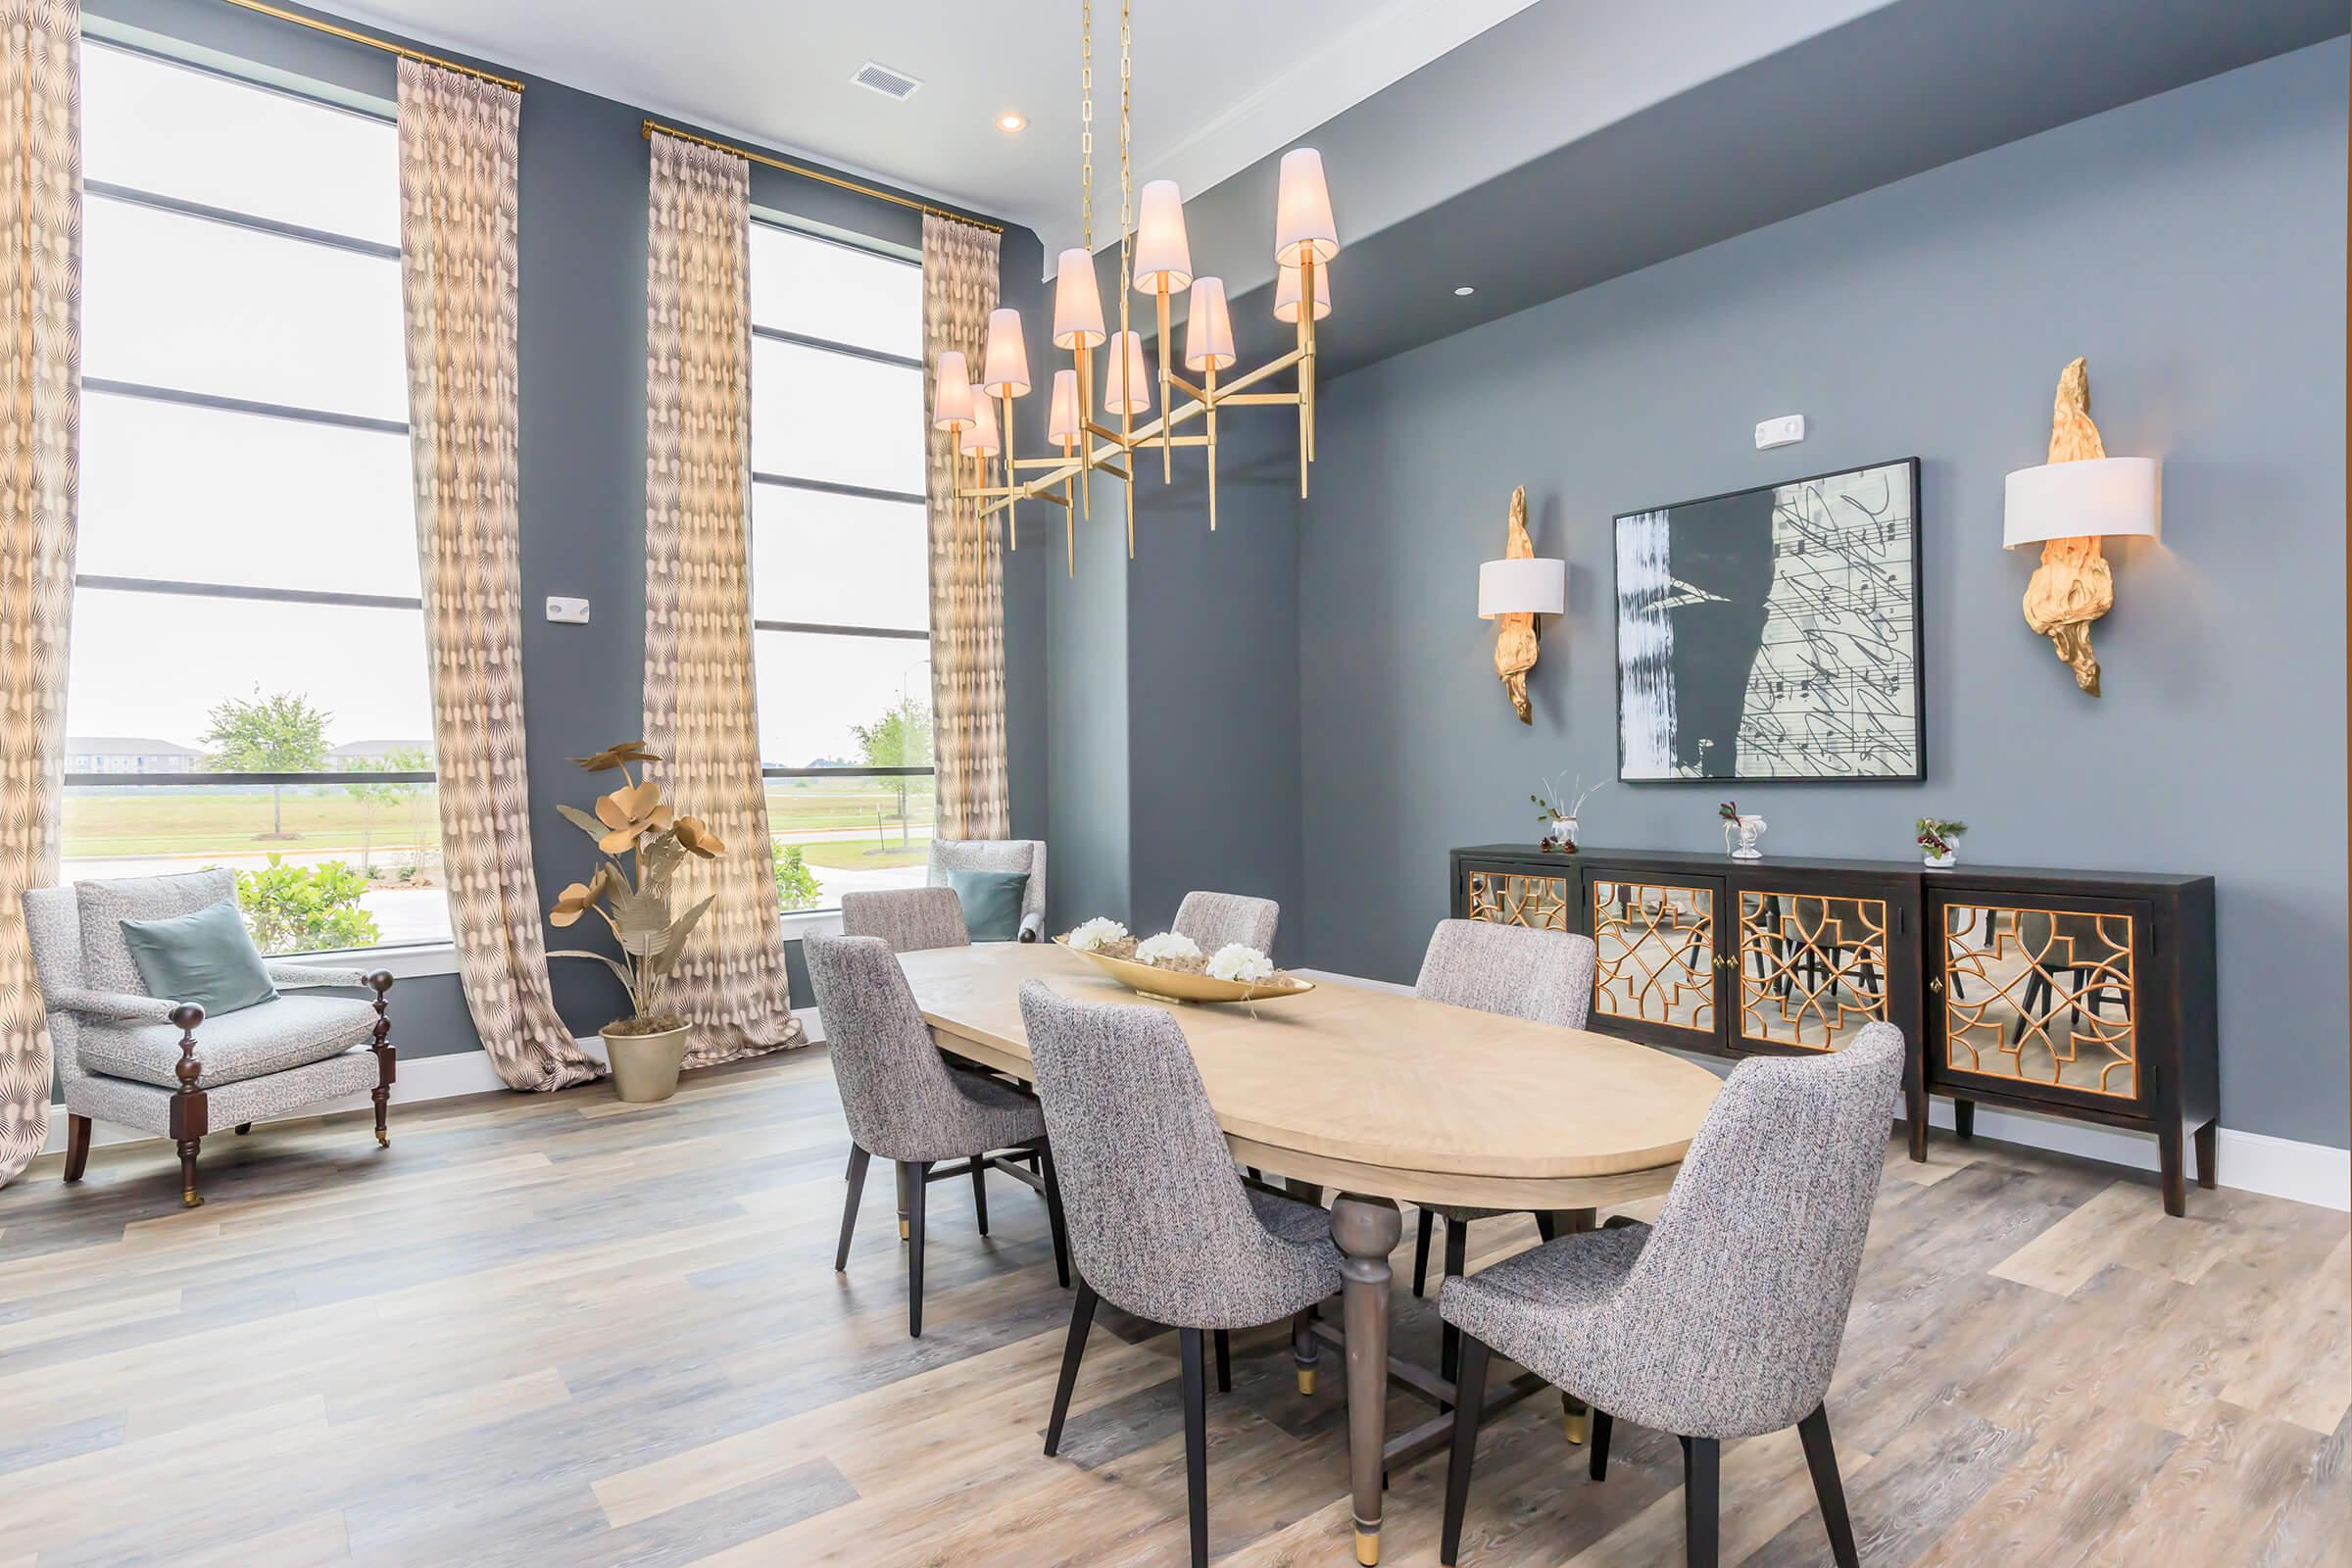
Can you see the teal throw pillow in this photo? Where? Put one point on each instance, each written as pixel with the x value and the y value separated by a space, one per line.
pixel 992 902
pixel 206 957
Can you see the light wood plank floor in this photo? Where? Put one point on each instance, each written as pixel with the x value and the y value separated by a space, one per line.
pixel 559 1329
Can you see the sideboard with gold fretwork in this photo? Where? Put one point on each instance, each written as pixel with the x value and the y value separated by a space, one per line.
pixel 2081 994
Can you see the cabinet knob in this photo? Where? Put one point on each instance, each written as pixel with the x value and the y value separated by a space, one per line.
pixel 1936 984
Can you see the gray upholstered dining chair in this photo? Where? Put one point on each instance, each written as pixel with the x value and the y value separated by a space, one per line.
pixel 997 855
pixel 1160 1226
pixel 1722 1320
pixel 909 920
pixel 904 1103
pixel 1213 919
pixel 161 1067
pixel 1542 976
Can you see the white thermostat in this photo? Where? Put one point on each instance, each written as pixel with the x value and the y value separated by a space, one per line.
pixel 1787 430
pixel 567 612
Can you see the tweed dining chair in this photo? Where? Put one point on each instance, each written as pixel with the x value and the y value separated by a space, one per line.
pixel 1541 976
pixel 909 920
pixel 1722 1320
pixel 161 1067
pixel 996 854
pixel 1215 919
pixel 1160 1226
pixel 904 1103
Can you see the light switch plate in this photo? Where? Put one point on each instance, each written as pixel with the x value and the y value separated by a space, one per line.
pixel 1787 430
pixel 567 612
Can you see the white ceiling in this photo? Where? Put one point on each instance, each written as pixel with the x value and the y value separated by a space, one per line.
pixel 1218 83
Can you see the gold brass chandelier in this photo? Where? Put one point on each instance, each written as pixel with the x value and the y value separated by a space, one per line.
pixel 1154 260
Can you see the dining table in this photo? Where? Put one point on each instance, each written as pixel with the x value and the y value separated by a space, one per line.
pixel 1383 1098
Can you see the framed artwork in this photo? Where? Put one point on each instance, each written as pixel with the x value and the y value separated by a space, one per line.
pixel 1773 634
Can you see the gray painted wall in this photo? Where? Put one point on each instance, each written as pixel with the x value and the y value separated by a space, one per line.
pixel 582 348
pixel 2192 246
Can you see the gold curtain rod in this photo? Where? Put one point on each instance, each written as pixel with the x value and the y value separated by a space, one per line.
pixel 805 173
pixel 386 44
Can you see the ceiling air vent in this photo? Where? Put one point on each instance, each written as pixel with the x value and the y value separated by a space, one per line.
pixel 884 81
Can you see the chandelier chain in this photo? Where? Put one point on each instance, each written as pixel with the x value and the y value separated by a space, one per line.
pixel 1086 121
pixel 1126 179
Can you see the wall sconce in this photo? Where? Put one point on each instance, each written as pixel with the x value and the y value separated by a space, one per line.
pixel 1514 591
pixel 2069 506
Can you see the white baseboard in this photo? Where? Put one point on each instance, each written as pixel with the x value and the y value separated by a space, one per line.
pixel 421 1078
pixel 2252 1162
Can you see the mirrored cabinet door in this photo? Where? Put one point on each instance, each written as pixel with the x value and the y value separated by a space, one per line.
pixel 1656 972
pixel 1813 968
pixel 2042 996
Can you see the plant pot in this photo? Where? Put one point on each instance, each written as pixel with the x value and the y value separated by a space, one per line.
pixel 1562 828
pixel 645 1067
pixel 1939 862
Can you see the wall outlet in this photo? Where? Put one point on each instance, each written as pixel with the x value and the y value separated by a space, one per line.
pixel 1787 430
pixel 567 612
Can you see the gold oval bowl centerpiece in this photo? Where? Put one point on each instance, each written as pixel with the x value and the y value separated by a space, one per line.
pixel 1185 985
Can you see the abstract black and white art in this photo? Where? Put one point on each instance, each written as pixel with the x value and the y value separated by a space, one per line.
pixel 1773 633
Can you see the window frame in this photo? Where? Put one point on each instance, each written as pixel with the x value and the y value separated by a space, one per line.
pixel 160 200
pixel 785 481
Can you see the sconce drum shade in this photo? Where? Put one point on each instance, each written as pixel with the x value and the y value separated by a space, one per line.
pixel 1522 585
pixel 1302 221
pixel 2096 498
pixel 1004 368
pixel 1164 256
pixel 1077 301
pixel 952 393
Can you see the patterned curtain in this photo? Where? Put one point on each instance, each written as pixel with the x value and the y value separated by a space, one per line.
pixel 457 273
pixel 700 714
pixel 40 414
pixel 967 583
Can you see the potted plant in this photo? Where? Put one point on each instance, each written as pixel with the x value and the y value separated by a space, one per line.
pixel 644 841
pixel 1559 821
pixel 1939 841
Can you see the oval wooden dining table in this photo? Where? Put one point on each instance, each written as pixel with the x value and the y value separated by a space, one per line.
pixel 1388 1099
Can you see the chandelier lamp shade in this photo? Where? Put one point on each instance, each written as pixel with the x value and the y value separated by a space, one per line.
pixel 1156 260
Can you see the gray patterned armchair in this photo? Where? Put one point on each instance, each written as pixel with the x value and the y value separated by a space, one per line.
pixel 136 1060
pixel 997 855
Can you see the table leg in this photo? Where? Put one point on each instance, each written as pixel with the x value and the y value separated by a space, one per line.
pixel 1367 1229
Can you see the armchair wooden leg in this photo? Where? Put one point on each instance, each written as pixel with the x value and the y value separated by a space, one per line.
pixel 1053 1217
pixel 1457 1254
pixel 77 1145
pixel 1224 1362
pixel 1702 1502
pixel 1429 1223
pixel 1600 1444
pixel 1822 1459
pixel 1471 1393
pixel 1082 1318
pixel 1195 1442
pixel 859 1159
pixel 243 1128
pixel 187 1172
pixel 980 1190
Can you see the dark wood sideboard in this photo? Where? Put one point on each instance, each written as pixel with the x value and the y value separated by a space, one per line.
pixel 2081 994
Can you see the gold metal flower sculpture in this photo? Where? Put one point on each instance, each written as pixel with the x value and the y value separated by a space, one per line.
pixel 644 840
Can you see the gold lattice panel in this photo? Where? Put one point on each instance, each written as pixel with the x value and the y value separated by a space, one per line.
pixel 1812 967
pixel 2040 996
pixel 1657 954
pixel 1512 898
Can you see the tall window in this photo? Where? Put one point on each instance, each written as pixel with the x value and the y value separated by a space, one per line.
pixel 249 686
pixel 840 566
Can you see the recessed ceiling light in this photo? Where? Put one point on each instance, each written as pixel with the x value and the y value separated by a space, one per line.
pixel 1464 292
pixel 1009 123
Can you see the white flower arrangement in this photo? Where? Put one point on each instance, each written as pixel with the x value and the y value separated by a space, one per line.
pixel 1167 944
pixel 1236 960
pixel 1096 933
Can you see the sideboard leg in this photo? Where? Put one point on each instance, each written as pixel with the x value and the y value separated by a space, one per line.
pixel 2207 1172
pixel 2168 1162
pixel 1964 1119
pixel 1367 1229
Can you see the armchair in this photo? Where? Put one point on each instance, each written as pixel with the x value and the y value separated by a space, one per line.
pixel 135 1060
pixel 997 855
